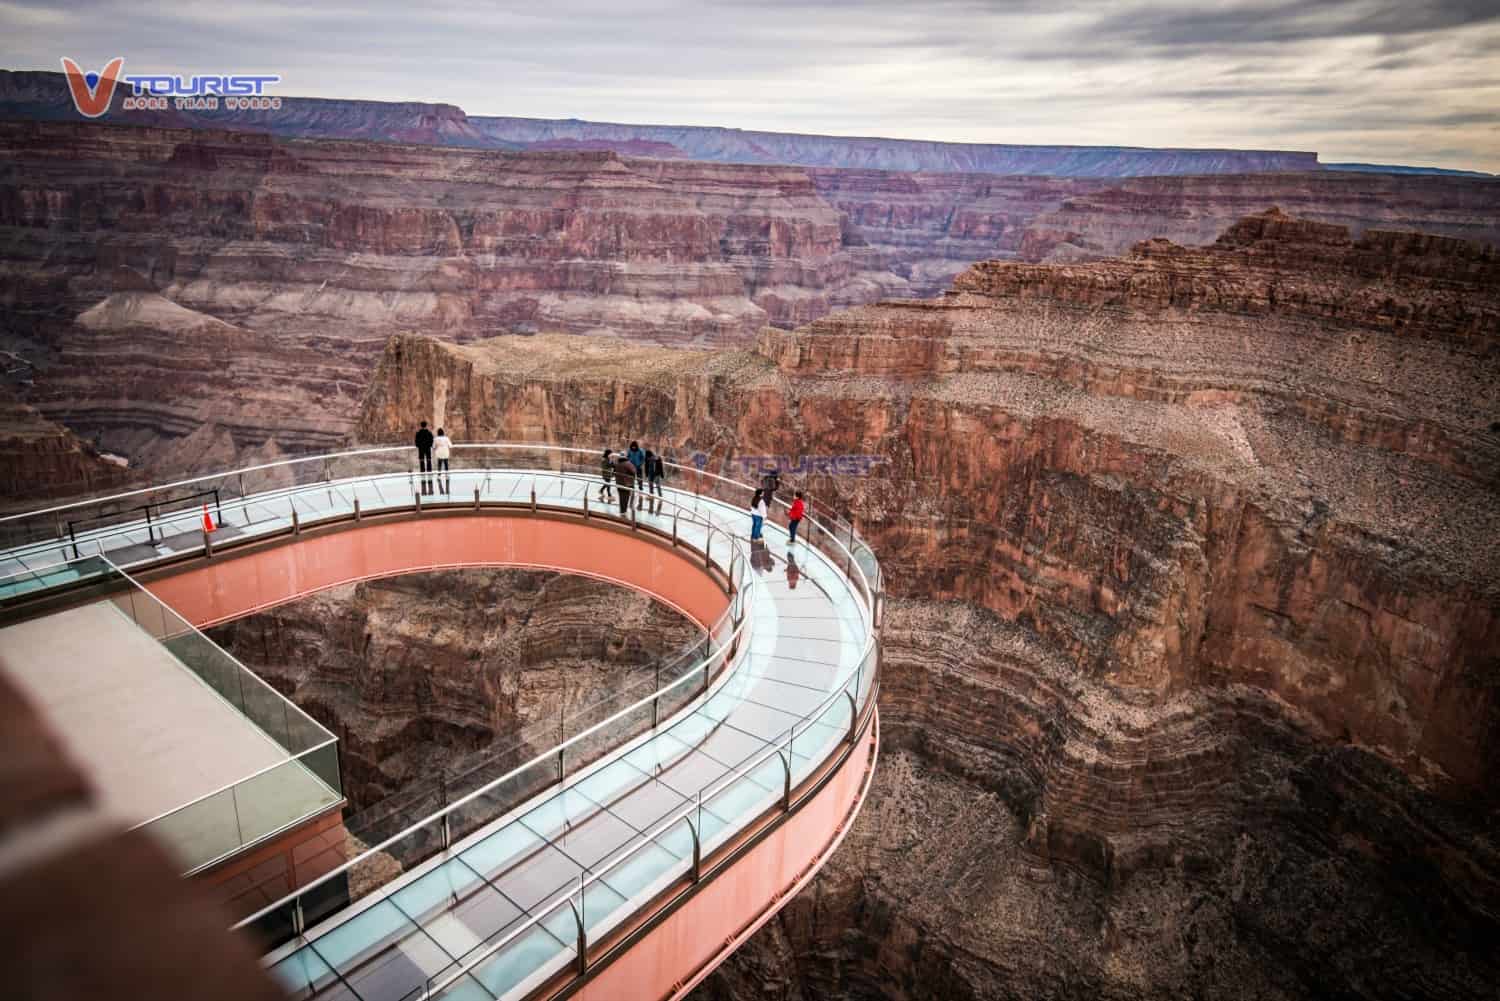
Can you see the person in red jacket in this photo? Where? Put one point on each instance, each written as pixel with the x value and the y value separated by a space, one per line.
pixel 794 516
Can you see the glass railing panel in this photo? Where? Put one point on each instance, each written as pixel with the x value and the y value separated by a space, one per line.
pixel 747 796
pixel 619 729
pixel 202 831
pixel 281 796
pixel 647 869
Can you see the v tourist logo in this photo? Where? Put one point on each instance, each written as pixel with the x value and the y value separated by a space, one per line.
pixel 92 92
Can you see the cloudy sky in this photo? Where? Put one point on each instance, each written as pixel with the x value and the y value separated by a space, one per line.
pixel 1391 81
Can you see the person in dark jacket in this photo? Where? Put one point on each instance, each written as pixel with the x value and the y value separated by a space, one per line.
pixel 424 457
pixel 655 470
pixel 770 483
pixel 424 448
pixel 624 481
pixel 607 471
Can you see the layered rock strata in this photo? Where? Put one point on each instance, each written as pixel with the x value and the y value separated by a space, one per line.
pixel 1194 665
pixel 239 286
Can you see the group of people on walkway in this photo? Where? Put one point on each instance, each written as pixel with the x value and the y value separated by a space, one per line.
pixel 761 504
pixel 632 475
pixel 629 472
pixel 430 447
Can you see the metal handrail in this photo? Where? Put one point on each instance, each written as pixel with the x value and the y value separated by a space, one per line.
pixel 727 645
pixel 598 870
pixel 345 454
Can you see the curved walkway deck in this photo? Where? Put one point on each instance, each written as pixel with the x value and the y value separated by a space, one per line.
pixel 680 835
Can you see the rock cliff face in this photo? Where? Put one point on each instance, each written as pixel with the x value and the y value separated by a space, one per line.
pixel 280 266
pixel 421 674
pixel 45 459
pixel 1194 662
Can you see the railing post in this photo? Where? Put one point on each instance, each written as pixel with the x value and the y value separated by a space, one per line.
pixel 533 495
pixel 674 528
pixel 853 712
pixel 299 919
pixel 633 524
pixel 562 763
pixel 476 498
pixel 585 504
pixel 583 942
pixel 296 521
pixel 358 516
pixel 417 495
pixel 655 711
pixel 708 548
pixel 786 782
pixel 447 833
pixel 697 850
pixel 208 545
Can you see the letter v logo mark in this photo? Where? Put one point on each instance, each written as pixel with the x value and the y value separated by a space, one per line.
pixel 92 92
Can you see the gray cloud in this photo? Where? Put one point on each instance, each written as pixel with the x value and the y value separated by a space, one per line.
pixel 1289 20
pixel 1354 79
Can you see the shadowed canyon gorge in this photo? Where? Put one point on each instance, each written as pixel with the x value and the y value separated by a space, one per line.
pixel 1188 506
pixel 424 674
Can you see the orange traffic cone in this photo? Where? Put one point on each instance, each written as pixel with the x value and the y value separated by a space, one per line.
pixel 208 523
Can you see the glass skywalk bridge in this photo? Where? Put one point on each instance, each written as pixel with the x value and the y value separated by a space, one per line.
pixel 501 892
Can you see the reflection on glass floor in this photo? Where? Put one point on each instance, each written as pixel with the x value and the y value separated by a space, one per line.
pixel 806 641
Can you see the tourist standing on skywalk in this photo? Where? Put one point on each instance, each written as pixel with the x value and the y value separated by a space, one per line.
pixel 795 515
pixel 637 457
pixel 770 483
pixel 424 448
pixel 758 512
pixel 442 448
pixel 607 471
pixel 424 457
pixel 655 470
pixel 624 480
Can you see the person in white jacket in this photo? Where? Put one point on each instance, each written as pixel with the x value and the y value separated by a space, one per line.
pixel 442 448
pixel 758 512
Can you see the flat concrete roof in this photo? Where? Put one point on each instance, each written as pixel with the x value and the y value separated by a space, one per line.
pixel 150 735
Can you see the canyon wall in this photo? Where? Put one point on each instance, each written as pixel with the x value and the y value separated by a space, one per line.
pixel 427 674
pixel 1194 654
pixel 240 286
pixel 44 96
